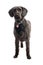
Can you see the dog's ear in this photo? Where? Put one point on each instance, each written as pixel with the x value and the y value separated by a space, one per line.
pixel 11 12
pixel 24 11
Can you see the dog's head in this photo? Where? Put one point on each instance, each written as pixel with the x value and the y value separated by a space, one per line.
pixel 18 12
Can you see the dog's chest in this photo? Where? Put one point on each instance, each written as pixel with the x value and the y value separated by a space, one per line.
pixel 19 28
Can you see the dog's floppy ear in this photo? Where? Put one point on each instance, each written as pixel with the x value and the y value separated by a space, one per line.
pixel 24 11
pixel 11 12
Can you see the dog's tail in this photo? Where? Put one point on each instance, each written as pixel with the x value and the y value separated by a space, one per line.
pixel 21 45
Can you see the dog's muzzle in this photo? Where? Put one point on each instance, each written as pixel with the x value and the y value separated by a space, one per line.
pixel 17 16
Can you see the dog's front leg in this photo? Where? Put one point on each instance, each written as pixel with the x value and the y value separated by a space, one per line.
pixel 27 49
pixel 16 48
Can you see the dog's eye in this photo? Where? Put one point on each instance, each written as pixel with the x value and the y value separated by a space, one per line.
pixel 19 9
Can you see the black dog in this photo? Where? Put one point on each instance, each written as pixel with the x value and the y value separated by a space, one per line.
pixel 22 29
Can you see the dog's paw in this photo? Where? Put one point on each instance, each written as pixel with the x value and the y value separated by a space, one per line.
pixel 28 57
pixel 15 56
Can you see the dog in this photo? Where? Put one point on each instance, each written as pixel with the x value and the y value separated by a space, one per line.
pixel 22 29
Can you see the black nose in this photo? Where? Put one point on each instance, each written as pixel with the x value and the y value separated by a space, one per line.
pixel 17 16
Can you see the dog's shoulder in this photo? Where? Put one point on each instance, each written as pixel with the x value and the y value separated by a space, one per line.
pixel 28 22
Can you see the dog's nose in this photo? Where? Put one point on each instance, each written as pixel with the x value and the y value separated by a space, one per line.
pixel 17 16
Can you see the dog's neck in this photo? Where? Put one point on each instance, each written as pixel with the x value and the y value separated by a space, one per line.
pixel 19 21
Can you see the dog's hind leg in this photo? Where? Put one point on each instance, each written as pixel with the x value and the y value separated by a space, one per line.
pixel 21 44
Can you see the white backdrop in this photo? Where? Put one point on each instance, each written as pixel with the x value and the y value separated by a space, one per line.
pixel 7 46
